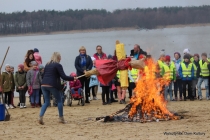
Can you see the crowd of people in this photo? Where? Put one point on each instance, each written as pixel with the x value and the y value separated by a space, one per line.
pixel 184 74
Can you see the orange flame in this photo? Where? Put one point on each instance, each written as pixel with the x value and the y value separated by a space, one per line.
pixel 149 92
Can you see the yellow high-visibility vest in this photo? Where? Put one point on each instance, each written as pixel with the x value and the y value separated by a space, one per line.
pixel 186 71
pixel 204 68
pixel 134 74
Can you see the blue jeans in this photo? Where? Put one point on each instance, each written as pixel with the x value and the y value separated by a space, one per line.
pixel 57 95
pixel 206 81
pixel 79 91
pixel 35 96
pixel 168 90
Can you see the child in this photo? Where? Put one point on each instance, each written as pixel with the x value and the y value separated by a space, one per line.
pixel 168 72
pixel 105 92
pixel 132 75
pixel 186 72
pixel 12 96
pixel 21 86
pixel 75 86
pixel 7 85
pixel 34 81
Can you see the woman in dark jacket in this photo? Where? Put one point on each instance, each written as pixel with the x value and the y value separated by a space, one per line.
pixel 84 63
pixel 51 83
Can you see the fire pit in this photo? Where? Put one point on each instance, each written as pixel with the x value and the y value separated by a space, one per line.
pixel 148 103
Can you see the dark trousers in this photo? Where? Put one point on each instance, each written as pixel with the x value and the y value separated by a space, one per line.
pixel 93 91
pixel 131 87
pixel 105 91
pixel 22 96
pixel 189 84
pixel 85 84
pixel 178 86
pixel 7 98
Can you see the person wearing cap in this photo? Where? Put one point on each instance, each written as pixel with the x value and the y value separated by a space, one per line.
pixel 178 82
pixel 21 85
pixel 186 72
pixel 37 56
pixel 34 80
pixel 8 86
pixel 203 70
pixel 93 82
pixel 137 51
pixel 196 74
pixel 99 53
pixel 168 72
pixel 187 51
pixel 82 64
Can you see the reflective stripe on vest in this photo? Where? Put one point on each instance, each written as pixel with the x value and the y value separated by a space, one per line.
pixel 186 71
pixel 204 68
pixel 167 72
pixel 134 74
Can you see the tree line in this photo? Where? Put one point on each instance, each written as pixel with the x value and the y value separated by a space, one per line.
pixel 146 18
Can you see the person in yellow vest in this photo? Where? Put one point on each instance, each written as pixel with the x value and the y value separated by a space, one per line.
pixel 203 69
pixel 132 75
pixel 161 60
pixel 186 72
pixel 196 75
pixel 168 72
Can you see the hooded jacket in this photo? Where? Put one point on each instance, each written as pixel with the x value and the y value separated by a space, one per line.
pixel 7 82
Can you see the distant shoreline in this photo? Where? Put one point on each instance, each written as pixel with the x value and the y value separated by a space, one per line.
pixel 104 30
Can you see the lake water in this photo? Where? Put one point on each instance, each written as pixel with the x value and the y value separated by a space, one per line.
pixel 197 39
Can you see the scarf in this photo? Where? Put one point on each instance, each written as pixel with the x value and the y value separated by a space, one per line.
pixel 83 60
pixel 177 65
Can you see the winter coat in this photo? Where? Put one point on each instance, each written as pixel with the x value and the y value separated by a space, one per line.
pixel 77 64
pixel 75 84
pixel 38 58
pixel 20 80
pixel 37 80
pixel 7 82
pixel 53 73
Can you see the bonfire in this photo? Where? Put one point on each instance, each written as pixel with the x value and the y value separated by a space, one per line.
pixel 148 103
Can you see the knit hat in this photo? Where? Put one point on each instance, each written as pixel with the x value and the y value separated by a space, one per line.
pixel 34 63
pixel 36 50
pixel 73 74
pixel 41 66
pixel 167 58
pixel 187 56
pixel 196 55
pixel 204 54
pixel 162 52
pixel 93 58
pixel 186 51
pixel 21 66
pixel 7 65
pixel 178 54
pixel 110 56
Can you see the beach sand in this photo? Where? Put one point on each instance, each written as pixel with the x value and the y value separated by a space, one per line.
pixel 82 125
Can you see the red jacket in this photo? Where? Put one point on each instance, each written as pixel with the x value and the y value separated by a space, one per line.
pixel 98 58
pixel 75 84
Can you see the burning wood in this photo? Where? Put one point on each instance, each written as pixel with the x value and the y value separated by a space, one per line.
pixel 148 104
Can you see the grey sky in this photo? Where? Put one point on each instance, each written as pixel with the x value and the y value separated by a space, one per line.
pixel 110 5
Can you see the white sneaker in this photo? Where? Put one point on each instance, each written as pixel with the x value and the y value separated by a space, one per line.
pixel 24 105
pixel 90 99
pixel 95 98
pixel 7 106
pixel 21 105
pixel 10 106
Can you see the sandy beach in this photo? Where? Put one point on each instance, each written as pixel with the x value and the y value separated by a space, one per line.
pixel 82 125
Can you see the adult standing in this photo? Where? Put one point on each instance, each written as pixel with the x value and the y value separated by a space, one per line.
pixel 178 82
pixel 137 51
pixel 99 53
pixel 83 63
pixel 28 59
pixel 51 84
pixel 37 56
pixel 196 74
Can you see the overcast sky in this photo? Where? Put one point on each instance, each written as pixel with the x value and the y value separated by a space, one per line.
pixel 110 5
